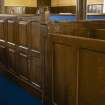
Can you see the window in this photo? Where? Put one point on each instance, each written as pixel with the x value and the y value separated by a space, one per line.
pixel 95 9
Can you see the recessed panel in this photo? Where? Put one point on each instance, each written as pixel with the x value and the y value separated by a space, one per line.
pixel 64 75
pixel 91 77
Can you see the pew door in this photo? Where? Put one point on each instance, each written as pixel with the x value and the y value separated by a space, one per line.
pixel 76 69
pixel 60 62
pixel 35 69
pixel 35 59
pixel 11 31
pixel 35 35
pixel 2 29
pixel 23 34
pixel 11 56
pixel 23 62
pixel 3 55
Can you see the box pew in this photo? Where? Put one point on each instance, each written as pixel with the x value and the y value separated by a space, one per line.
pixel 74 62
pixel 12 44
pixel 3 37
pixel 20 48
pixel 28 58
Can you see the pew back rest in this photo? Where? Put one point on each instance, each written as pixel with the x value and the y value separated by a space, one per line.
pixel 79 28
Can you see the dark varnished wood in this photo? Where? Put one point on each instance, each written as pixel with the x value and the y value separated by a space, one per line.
pixel 2 28
pixel 20 50
pixel 35 35
pixel 11 56
pixel 30 10
pixel 35 69
pixel 78 28
pixel 62 63
pixel 74 60
pixel 73 73
pixel 3 54
pixel 23 64
pixel 44 3
pixel 23 33
pixel 91 80
pixel 11 31
pixel 63 9
pixel 100 33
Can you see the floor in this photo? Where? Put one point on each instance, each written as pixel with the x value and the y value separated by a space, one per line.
pixel 12 94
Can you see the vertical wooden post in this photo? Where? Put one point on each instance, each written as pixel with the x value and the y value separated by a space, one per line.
pixel 81 9
pixel 44 3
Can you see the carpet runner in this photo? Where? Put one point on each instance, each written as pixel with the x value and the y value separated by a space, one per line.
pixel 12 94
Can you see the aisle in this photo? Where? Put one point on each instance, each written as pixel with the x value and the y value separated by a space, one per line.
pixel 12 94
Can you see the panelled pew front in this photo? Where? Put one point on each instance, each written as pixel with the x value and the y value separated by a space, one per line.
pixel 74 62
pixel 20 50
pixel 73 57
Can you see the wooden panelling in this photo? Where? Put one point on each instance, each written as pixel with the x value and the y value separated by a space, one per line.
pixel 35 35
pixel 63 9
pixel 66 50
pixel 23 63
pixel 2 29
pixel 79 28
pixel 20 49
pixel 11 31
pixel 20 10
pixel 11 57
pixel 30 10
pixel 76 66
pixel 100 34
pixel 91 77
pixel 74 57
pixel 64 75
pixel 3 56
pixel 44 2
pixel 35 69
pixel 23 33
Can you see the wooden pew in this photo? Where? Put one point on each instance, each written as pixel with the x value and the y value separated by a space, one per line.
pixel 22 51
pixel 28 58
pixel 3 38
pixel 74 62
